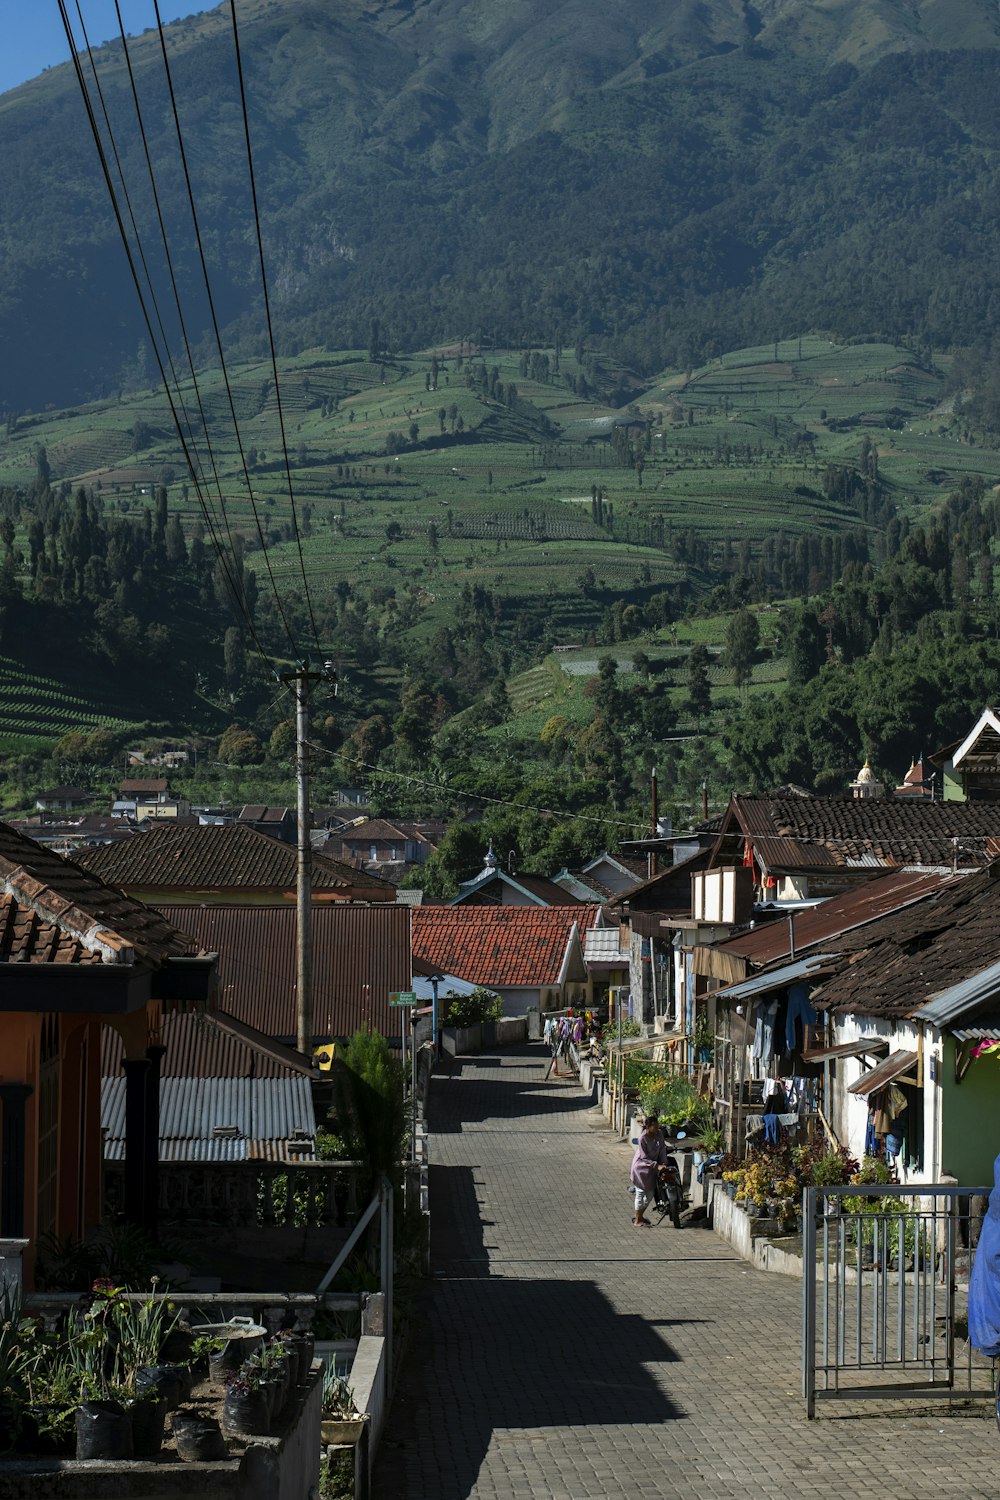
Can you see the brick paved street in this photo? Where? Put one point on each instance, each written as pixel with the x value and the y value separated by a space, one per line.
pixel 561 1353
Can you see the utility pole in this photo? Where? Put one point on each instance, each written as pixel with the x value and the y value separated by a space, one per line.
pixel 302 682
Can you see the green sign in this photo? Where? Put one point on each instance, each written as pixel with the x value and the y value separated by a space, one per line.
pixel 403 997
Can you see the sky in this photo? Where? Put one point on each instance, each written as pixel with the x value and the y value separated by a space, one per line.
pixel 32 35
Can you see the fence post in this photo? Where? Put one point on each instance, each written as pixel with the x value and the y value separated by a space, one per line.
pixel 809 1300
pixel 385 1245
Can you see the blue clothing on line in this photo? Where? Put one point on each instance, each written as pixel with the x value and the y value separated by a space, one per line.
pixel 799 1007
pixel 772 1129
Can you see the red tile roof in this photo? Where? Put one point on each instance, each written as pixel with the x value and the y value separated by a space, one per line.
pixel 158 784
pixel 217 857
pixel 499 945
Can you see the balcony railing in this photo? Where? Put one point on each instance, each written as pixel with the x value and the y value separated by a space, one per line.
pixel 302 1195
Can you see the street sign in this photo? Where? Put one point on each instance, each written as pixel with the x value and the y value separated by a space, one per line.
pixel 403 997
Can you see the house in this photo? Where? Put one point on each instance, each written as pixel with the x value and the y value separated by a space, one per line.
pixel 495 887
pixel 800 847
pixel 970 768
pixel 917 782
pixel 77 957
pixel 532 956
pixel 601 878
pixel 760 966
pixel 170 756
pixel 278 822
pixel 384 848
pixel 361 955
pixel 658 914
pixel 63 799
pixel 925 983
pixel 141 799
pixel 227 863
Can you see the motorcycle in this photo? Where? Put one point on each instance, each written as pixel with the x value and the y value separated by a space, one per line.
pixel 668 1195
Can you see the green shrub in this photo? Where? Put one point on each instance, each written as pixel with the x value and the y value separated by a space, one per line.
pixel 472 1010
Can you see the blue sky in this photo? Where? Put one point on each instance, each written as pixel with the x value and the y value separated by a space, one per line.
pixel 32 36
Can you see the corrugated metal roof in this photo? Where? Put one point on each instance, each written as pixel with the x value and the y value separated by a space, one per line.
pixel 602 945
pixel 361 955
pixel 265 1111
pixel 835 915
pixel 894 1066
pixel 774 979
pixel 860 1048
pixel 962 999
pixel 205 857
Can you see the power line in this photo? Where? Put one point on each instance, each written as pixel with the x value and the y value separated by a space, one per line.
pixel 102 156
pixel 214 317
pixel 270 329
pixel 244 607
pixel 441 786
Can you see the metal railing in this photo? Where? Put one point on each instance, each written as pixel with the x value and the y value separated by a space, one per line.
pixel 321 1194
pixel 885 1293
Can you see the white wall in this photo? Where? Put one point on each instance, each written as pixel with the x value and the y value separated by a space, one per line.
pixel 850 1111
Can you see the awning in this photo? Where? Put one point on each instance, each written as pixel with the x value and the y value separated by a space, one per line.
pixel 859 1048
pixel 894 1066
pixel 776 979
pixel 960 1001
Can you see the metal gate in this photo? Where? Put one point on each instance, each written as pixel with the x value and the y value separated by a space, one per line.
pixel 885 1293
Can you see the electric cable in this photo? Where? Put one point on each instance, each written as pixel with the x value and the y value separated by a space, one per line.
pixel 106 170
pixel 270 328
pixel 215 320
pixel 176 294
pixel 441 786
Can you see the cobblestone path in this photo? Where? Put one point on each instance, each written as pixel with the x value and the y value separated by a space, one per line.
pixel 561 1353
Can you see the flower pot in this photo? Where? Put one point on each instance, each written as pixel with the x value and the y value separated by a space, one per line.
pixel 751 1208
pixel 274 1391
pixel 199 1439
pixel 148 1417
pixel 178 1347
pixel 729 1188
pixel 103 1430
pixel 246 1416
pixel 242 1336
pixel 341 1429
pixel 167 1380
pixel 304 1346
pixel 44 1444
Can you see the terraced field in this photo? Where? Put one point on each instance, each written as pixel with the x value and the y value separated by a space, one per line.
pixel 36 710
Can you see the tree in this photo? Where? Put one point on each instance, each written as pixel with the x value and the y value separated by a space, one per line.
pixel 699 686
pixel 235 657
pixel 240 747
pixel 742 641
pixel 281 745
pixel 806 648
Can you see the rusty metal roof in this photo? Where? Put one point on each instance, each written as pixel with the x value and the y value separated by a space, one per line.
pixel 894 1066
pixel 220 857
pixel 900 961
pixel 837 914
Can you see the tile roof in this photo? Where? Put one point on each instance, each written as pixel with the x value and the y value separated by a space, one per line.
pixel 895 832
pixel 158 784
pixel 899 962
pixel 52 911
pixel 217 857
pixel 499 945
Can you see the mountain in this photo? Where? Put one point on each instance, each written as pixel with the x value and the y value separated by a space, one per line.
pixel 662 181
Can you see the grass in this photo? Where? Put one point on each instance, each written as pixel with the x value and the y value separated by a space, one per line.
pixel 499 503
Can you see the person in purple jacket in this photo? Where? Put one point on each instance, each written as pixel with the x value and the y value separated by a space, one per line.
pixel 650 1155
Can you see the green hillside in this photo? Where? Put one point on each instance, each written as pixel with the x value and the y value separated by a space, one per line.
pixel 657 183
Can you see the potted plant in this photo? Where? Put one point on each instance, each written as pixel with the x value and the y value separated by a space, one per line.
pixel 341 1421
pixel 756 1182
pixel 245 1411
